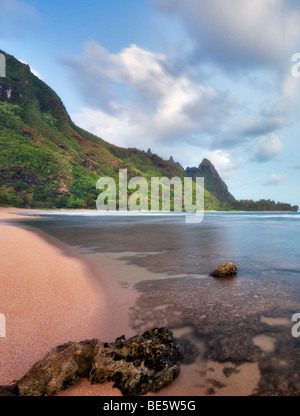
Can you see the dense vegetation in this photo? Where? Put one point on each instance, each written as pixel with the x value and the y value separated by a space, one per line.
pixel 46 161
pixel 262 205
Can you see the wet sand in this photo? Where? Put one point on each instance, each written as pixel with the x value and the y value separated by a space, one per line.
pixel 47 298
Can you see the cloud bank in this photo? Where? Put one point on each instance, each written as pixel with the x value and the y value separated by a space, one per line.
pixel 269 147
pixel 232 89
pixel 239 34
pixel 136 97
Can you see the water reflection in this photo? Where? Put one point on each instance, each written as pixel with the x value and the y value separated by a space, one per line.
pixel 221 321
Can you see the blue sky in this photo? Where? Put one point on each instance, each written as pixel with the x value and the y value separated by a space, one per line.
pixel 192 79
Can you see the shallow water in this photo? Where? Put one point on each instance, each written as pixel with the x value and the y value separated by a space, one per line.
pixel 237 332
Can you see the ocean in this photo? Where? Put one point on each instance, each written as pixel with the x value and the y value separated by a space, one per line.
pixel 237 332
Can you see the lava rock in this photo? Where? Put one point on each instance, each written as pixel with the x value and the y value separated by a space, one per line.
pixel 141 364
pixel 225 270
pixel 63 366
pixel 9 390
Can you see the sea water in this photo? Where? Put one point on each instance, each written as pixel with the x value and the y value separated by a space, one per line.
pixel 237 331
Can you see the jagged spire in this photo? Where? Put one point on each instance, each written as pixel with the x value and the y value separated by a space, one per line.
pixel 212 180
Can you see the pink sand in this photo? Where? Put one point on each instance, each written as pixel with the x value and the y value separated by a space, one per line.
pixel 47 298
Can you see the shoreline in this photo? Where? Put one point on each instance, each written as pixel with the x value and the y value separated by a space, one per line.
pixel 48 298
pixel 94 280
pixel 33 335
pixel 11 212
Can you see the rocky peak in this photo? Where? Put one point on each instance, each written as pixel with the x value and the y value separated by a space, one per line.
pixel 206 163
pixel 212 180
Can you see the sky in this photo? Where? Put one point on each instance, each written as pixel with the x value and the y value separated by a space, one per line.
pixel 194 79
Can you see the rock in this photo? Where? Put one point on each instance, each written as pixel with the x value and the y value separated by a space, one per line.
pixel 213 182
pixel 63 366
pixel 228 371
pixel 225 270
pixel 9 390
pixel 141 364
pixel 191 351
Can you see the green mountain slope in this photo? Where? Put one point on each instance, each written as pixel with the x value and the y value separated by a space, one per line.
pixel 46 161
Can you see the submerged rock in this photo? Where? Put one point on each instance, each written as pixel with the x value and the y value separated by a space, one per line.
pixel 225 270
pixel 141 364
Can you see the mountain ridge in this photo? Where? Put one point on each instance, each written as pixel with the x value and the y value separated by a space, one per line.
pixel 47 161
pixel 213 182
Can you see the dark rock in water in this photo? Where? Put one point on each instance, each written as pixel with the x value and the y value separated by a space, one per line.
pixel 235 349
pixel 228 371
pixel 63 366
pixel 191 351
pixel 141 364
pixel 225 270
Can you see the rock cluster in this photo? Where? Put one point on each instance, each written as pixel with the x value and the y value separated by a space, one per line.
pixel 225 270
pixel 139 365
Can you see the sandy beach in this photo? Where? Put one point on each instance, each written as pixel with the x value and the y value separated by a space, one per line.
pixel 50 297
pixel 47 299
pixel 53 293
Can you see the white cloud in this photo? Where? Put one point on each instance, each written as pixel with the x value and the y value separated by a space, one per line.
pixel 287 100
pixel 115 129
pixel 269 147
pixel 226 163
pixel 274 180
pixel 140 98
pixel 234 32
pixel 257 38
pixel 139 90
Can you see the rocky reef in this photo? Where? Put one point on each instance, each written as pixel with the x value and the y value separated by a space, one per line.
pixel 141 364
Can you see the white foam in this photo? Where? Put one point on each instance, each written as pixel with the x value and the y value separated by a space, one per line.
pixel 258 216
pixel 81 213
pixel 227 215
